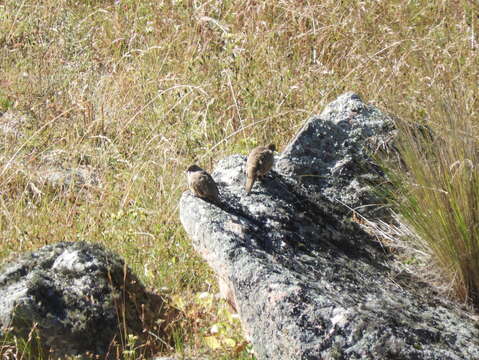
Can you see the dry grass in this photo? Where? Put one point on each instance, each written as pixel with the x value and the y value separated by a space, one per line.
pixel 138 90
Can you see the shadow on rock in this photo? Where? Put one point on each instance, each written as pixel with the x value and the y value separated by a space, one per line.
pixel 79 298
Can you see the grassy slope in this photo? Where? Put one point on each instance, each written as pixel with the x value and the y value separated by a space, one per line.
pixel 144 88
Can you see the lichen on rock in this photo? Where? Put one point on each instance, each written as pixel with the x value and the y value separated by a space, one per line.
pixel 78 297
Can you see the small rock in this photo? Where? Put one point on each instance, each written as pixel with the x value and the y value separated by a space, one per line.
pixel 70 178
pixel 78 296
pixel 55 157
pixel 11 123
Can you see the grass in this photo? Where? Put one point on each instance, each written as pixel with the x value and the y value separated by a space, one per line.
pixel 139 90
pixel 438 193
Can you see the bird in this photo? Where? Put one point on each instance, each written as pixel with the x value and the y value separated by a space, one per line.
pixel 202 184
pixel 260 161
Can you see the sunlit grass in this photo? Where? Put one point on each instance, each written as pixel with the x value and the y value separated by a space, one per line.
pixel 138 90
pixel 438 191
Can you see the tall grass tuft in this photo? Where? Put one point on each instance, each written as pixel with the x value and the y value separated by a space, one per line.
pixel 438 189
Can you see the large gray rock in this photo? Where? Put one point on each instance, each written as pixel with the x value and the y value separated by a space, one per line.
pixel 78 296
pixel 308 283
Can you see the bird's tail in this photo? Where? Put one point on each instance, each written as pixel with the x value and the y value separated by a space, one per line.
pixel 249 184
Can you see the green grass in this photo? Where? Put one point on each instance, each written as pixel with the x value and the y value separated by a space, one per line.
pixel 438 192
pixel 142 89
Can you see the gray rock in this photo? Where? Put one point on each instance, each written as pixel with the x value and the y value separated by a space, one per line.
pixel 58 173
pixel 78 296
pixel 60 158
pixel 331 155
pixel 308 283
pixel 55 157
pixel 77 178
pixel 12 123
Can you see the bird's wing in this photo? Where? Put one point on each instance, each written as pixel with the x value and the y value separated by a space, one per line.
pixel 207 186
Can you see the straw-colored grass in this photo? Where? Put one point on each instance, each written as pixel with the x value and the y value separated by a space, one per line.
pixel 138 90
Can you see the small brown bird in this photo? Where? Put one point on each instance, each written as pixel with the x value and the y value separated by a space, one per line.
pixel 260 161
pixel 202 184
